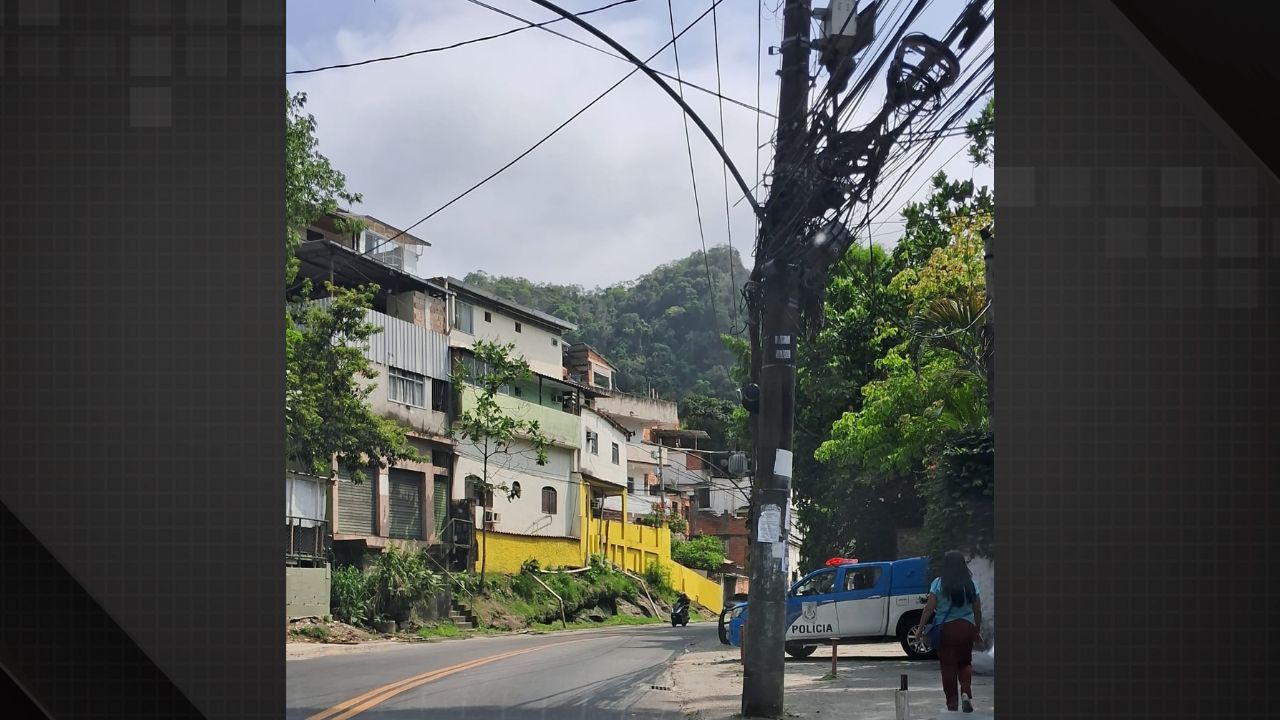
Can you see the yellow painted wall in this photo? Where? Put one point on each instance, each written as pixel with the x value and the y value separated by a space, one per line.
pixel 508 552
pixel 635 547
pixel 701 590
pixel 630 546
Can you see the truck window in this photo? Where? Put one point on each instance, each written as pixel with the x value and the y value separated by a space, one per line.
pixel 861 579
pixel 818 584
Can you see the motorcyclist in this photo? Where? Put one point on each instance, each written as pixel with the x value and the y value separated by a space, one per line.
pixel 680 611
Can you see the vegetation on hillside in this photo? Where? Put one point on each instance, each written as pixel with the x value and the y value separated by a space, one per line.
pixel 659 330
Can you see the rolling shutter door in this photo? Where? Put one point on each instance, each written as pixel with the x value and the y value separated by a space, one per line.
pixel 405 511
pixel 440 503
pixel 355 506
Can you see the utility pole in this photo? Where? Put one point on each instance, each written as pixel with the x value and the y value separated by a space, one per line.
pixel 773 364
pixel 989 327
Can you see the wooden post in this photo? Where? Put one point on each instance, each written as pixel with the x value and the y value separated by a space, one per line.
pixel 835 654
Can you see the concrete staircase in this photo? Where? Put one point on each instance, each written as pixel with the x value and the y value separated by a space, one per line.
pixel 462 616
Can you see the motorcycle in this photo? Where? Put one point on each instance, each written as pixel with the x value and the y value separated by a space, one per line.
pixel 680 613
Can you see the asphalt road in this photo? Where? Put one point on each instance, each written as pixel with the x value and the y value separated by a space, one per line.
pixel 587 675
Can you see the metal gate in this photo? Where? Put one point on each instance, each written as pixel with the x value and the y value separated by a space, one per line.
pixel 355 506
pixel 405 504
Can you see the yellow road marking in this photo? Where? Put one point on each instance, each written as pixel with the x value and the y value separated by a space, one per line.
pixel 377 696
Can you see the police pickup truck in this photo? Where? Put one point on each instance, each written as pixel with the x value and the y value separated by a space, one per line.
pixel 854 602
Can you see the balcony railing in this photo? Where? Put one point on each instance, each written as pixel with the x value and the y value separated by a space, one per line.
pixel 308 541
pixel 560 427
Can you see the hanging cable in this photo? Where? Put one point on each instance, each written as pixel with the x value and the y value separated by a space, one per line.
pixel 449 47
pixel 544 139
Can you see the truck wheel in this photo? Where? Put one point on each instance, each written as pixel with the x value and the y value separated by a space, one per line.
pixel 915 646
pixel 799 651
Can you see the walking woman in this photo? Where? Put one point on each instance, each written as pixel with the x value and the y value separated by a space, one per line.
pixel 954 598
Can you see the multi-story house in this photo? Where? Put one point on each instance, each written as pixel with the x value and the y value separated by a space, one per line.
pixel 407 503
pixel 584 364
pixel 602 470
pixel 545 499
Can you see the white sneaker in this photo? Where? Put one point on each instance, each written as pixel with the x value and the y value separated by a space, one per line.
pixel 966 704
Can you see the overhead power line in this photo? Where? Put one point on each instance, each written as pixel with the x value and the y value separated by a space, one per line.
pixel 724 170
pixel 693 176
pixel 548 136
pixel 529 24
pixel 442 48
pixel 754 108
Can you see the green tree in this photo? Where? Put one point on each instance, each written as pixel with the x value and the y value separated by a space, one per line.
pixel 312 186
pixel 702 552
pixel 710 414
pixel 890 386
pixel 328 378
pixel 488 429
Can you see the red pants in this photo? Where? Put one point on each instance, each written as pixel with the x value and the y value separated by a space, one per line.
pixel 955 653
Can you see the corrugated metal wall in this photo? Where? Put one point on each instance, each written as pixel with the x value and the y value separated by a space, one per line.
pixel 407 346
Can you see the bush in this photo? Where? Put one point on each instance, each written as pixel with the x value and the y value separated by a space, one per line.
pixel 350 597
pixel 467 582
pixel 704 552
pixel 526 587
pixel 399 580
pixel 658 577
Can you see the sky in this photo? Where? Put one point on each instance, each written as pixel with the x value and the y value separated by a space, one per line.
pixel 608 198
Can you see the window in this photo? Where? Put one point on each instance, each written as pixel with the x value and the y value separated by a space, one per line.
pixel 601 380
pixel 593 443
pixel 313 235
pixel 703 496
pixel 555 342
pixel 488 316
pixel 439 395
pixel 462 316
pixel 484 498
pixel 631 485
pixel 374 243
pixel 549 500
pixel 406 387
pixel 517 327
pixel 865 579
pixel 617 454
pixel 515 489
pixel 820 584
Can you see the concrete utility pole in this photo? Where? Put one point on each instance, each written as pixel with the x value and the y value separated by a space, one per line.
pixel 773 364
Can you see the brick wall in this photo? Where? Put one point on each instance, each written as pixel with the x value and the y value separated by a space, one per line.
pixel 732 530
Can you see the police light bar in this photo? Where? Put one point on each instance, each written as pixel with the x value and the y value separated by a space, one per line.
pixel 841 561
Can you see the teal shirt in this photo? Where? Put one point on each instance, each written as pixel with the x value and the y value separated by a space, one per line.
pixel 945 612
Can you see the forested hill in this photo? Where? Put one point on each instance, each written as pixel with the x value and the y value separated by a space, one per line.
pixel 658 330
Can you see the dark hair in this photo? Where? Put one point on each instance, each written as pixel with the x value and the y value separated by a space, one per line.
pixel 957 581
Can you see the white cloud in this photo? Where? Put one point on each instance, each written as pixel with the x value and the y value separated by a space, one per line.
pixel 605 200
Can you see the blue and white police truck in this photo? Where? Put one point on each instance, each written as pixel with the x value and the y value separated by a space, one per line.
pixel 854 602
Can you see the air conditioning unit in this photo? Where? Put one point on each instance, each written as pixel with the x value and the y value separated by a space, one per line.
pixel 492 517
